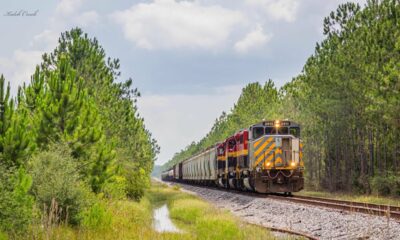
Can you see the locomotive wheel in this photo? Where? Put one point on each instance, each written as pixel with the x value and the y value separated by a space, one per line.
pixel 242 186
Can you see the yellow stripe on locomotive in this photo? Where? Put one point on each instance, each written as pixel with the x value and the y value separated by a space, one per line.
pixel 277 151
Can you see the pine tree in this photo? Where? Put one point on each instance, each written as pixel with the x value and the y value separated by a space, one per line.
pixel 16 141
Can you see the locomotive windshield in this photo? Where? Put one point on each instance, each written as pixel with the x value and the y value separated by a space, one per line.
pixel 276 128
pixel 295 131
pixel 258 132
pixel 280 130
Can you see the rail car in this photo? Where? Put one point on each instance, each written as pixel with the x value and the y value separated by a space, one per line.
pixel 266 158
pixel 167 175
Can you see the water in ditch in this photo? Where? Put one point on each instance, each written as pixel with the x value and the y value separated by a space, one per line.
pixel 162 221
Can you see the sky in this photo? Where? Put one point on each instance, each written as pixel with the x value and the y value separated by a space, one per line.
pixel 188 58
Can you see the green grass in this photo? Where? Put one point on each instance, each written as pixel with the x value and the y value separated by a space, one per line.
pixel 200 220
pixel 375 199
pixel 133 220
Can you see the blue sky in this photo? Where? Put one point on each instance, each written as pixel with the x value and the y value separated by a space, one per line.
pixel 189 58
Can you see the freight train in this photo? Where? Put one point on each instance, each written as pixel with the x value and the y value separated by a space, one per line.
pixel 266 158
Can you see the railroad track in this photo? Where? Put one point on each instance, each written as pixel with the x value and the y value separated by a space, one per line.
pixel 350 206
pixel 368 208
pixel 388 211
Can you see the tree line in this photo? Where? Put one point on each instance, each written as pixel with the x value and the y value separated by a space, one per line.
pixel 347 99
pixel 71 134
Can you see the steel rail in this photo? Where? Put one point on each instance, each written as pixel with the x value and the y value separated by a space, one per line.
pixel 368 208
pixel 273 229
pixel 350 206
pixel 352 203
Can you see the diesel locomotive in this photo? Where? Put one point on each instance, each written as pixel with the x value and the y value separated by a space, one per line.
pixel 266 158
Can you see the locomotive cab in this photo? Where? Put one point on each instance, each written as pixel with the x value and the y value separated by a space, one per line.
pixel 276 156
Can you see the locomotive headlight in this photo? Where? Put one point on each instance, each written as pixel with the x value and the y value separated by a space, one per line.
pixel 277 123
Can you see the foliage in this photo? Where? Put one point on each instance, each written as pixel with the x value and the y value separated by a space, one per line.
pixel 78 123
pixel 381 185
pixel 115 188
pixel 3 236
pixel 386 185
pixel 123 128
pixel 56 180
pixel 97 216
pixel 137 181
pixel 16 205
pixel 16 143
pixel 348 97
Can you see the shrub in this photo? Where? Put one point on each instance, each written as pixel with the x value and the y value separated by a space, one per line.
pixel 382 185
pixel 16 205
pixel 57 187
pixel 15 202
pixel 137 181
pixel 115 188
pixel 396 186
pixel 97 216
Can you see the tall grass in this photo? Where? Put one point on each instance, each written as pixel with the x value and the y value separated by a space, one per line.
pixel 125 219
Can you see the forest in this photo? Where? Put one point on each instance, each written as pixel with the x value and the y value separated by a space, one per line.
pixel 347 100
pixel 70 138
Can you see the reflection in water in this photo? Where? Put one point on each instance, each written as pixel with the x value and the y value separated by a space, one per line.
pixel 162 222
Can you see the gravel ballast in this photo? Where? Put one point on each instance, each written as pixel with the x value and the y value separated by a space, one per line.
pixel 323 223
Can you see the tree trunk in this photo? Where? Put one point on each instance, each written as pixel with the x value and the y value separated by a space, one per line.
pixel 371 153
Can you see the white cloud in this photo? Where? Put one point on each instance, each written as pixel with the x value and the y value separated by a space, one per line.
pixel 278 9
pixel 87 18
pixel 20 67
pixel 46 40
pixel 177 120
pixel 67 7
pixel 252 40
pixel 165 24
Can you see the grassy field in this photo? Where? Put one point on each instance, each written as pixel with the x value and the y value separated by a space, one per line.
pixel 133 220
pixel 351 197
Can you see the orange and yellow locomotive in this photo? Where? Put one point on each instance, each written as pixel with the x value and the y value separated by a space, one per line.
pixel 266 157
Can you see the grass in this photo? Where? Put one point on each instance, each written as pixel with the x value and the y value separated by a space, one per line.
pixel 200 220
pixel 133 220
pixel 375 199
